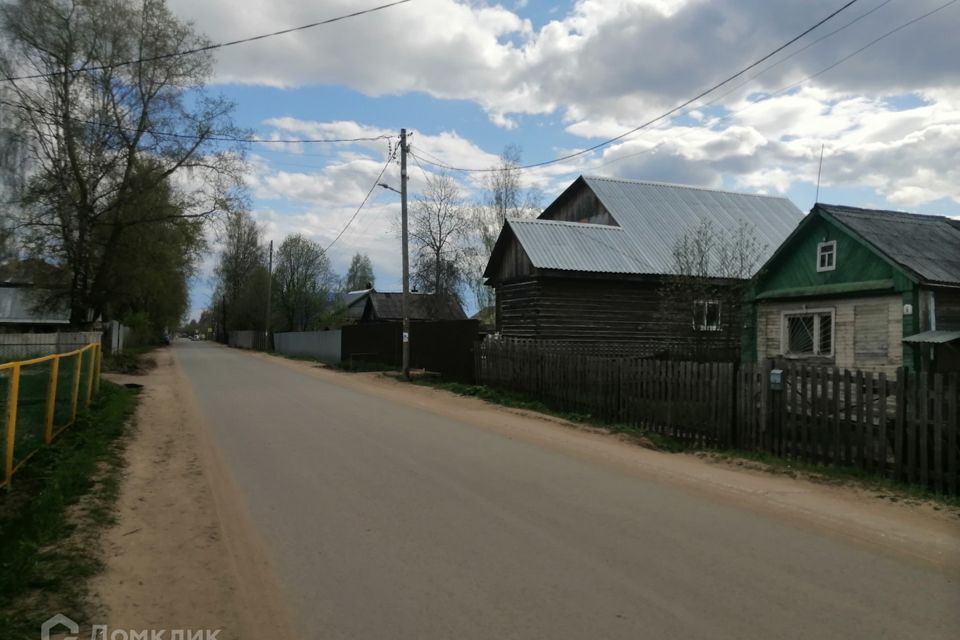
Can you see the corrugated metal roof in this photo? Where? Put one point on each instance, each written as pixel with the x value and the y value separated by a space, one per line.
pixel 575 246
pixel 655 215
pixel 20 305
pixel 933 337
pixel 928 246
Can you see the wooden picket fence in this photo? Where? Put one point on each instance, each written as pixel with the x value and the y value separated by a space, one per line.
pixel 903 427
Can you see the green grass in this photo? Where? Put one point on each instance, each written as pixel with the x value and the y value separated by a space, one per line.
pixel 896 491
pixel 130 360
pixel 52 512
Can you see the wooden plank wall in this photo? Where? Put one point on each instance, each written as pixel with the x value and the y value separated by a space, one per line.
pixel 904 427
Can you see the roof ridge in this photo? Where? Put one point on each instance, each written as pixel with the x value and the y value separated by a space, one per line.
pixel 565 223
pixel 658 183
pixel 886 212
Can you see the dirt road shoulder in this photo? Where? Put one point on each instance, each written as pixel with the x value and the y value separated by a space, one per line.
pixel 184 554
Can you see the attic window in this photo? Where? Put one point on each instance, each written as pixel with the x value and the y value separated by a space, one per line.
pixel 827 256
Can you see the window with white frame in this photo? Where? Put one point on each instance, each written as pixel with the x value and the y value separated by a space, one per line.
pixel 827 256
pixel 706 315
pixel 808 333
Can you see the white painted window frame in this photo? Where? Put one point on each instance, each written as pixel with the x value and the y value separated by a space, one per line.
pixel 785 334
pixel 832 244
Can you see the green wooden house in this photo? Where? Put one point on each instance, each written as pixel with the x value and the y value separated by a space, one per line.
pixel 860 289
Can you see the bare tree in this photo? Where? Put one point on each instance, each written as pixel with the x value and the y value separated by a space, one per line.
pixel 103 132
pixel 504 196
pixel 303 279
pixel 702 297
pixel 438 229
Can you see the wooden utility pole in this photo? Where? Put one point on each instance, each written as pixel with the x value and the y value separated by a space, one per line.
pixel 405 300
pixel 266 324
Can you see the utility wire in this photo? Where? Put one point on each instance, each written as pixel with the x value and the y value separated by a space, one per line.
pixel 376 183
pixel 794 85
pixel 667 113
pixel 209 47
pixel 187 136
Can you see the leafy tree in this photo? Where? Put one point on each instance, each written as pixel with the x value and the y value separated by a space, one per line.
pixel 303 280
pixel 439 228
pixel 242 273
pixel 102 133
pixel 360 274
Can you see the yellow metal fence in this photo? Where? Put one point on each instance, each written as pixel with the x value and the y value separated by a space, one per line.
pixel 40 398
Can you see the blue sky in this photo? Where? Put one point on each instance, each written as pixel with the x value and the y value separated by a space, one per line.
pixel 469 77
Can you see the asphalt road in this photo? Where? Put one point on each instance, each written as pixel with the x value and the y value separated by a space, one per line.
pixel 388 521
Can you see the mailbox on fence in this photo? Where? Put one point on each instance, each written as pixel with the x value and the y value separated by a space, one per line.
pixel 776 380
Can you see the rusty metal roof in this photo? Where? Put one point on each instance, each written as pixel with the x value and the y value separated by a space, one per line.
pixel 927 246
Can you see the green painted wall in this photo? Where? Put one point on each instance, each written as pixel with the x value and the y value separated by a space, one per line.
pixel 793 274
pixel 796 267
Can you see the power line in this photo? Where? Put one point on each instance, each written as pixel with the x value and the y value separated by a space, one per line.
pixel 187 136
pixel 209 47
pixel 365 198
pixel 667 113
pixel 794 85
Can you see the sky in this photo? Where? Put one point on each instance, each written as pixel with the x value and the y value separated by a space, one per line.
pixel 469 77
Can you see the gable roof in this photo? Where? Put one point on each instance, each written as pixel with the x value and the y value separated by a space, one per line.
pixel 928 247
pixel 649 219
pixel 423 306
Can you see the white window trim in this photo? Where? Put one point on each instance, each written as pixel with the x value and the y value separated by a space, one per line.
pixel 833 246
pixel 705 327
pixel 785 338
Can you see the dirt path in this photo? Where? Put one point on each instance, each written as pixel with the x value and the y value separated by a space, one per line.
pixel 183 554
pixel 916 529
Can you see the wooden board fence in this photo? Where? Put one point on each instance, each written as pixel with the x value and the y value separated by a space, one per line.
pixel 905 427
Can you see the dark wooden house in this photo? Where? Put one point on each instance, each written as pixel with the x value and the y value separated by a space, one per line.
pixel 371 305
pixel 862 289
pixel 597 266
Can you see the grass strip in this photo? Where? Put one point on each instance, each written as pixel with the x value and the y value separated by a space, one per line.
pixel 52 513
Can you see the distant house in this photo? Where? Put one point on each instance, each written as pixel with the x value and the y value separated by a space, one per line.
pixel 371 305
pixel 862 289
pixel 25 308
pixel 598 265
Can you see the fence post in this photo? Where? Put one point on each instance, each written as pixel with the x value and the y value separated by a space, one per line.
pixel 96 380
pixel 51 401
pixel 13 393
pixel 75 394
pixel 90 369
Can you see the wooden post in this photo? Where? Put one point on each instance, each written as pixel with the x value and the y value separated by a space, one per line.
pixel 51 401
pixel 938 431
pixel 866 439
pixel 882 426
pixel 13 397
pixel 953 425
pixel 96 380
pixel 898 449
pixel 924 426
pixel 835 454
